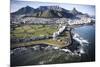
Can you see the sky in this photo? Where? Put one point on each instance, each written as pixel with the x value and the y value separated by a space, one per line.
pixel 16 5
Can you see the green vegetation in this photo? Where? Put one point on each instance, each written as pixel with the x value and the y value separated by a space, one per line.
pixel 60 42
pixel 47 41
pixel 44 57
pixel 27 31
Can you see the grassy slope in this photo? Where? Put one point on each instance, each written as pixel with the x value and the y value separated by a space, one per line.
pixel 27 31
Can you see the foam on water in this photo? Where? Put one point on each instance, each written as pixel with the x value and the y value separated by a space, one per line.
pixel 82 42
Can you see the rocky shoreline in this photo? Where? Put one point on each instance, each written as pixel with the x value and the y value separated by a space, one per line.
pixel 31 55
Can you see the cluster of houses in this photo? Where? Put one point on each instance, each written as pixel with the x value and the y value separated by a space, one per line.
pixel 83 20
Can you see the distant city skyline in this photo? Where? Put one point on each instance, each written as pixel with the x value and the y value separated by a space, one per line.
pixel 89 9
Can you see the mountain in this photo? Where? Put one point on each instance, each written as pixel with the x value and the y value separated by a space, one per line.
pixel 46 12
pixel 24 10
pixel 57 8
pixel 75 12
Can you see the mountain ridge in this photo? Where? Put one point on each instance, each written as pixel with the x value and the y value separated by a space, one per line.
pixel 47 12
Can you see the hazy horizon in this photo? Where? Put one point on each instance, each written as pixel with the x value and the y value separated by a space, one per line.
pixel 89 9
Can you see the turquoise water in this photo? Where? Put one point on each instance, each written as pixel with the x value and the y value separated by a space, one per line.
pixel 88 33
